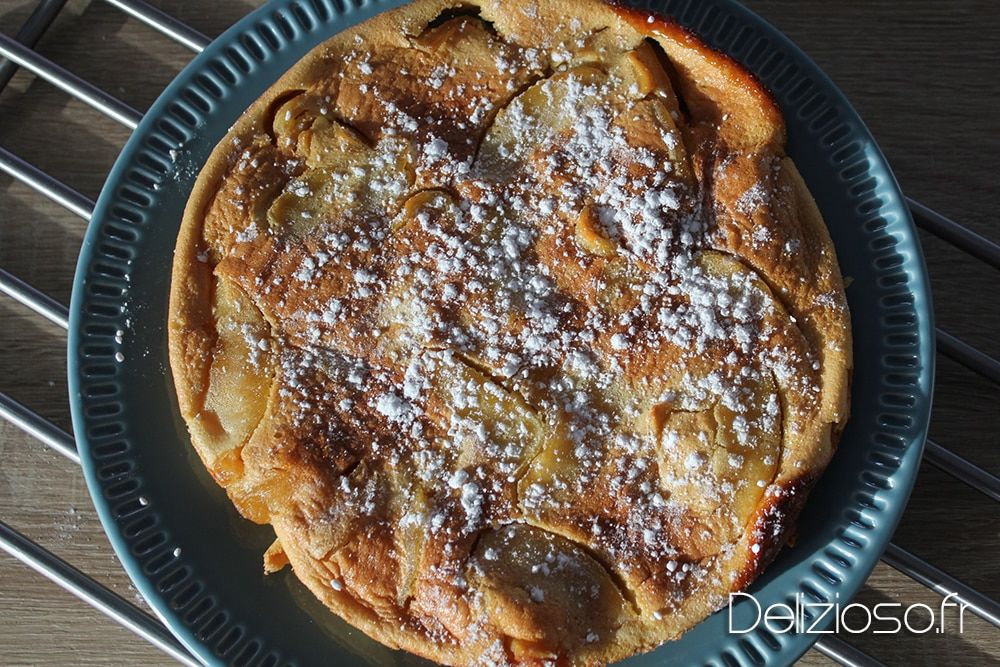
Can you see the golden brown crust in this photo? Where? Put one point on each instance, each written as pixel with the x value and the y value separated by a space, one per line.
pixel 517 324
pixel 717 89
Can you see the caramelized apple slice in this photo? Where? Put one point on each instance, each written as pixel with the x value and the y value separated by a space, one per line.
pixel 545 593
pixel 348 178
pixel 327 141
pixel 300 207
pixel 292 116
pixel 719 453
pixel 718 457
pixel 240 378
pixel 429 205
pixel 648 125
pixel 650 77
pixel 553 467
pixel 493 423
pixel 541 114
pixel 590 236
pixel 592 48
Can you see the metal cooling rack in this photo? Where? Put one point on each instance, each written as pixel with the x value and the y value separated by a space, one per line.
pixel 17 52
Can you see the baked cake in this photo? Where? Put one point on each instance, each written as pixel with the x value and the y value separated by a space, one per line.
pixel 517 324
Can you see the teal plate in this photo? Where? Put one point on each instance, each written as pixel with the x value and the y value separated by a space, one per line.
pixel 198 563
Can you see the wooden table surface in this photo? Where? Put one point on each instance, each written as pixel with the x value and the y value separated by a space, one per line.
pixel 923 75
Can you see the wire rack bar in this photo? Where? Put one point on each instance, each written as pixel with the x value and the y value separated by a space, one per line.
pixel 38 427
pixel 33 298
pixel 846 654
pixel 38 22
pixel 164 23
pixel 90 591
pixel 941 582
pixel 52 188
pixel 968 356
pixel 962 470
pixel 65 80
pixel 961 237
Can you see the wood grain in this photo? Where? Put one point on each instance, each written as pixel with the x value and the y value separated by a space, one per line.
pixel 922 74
